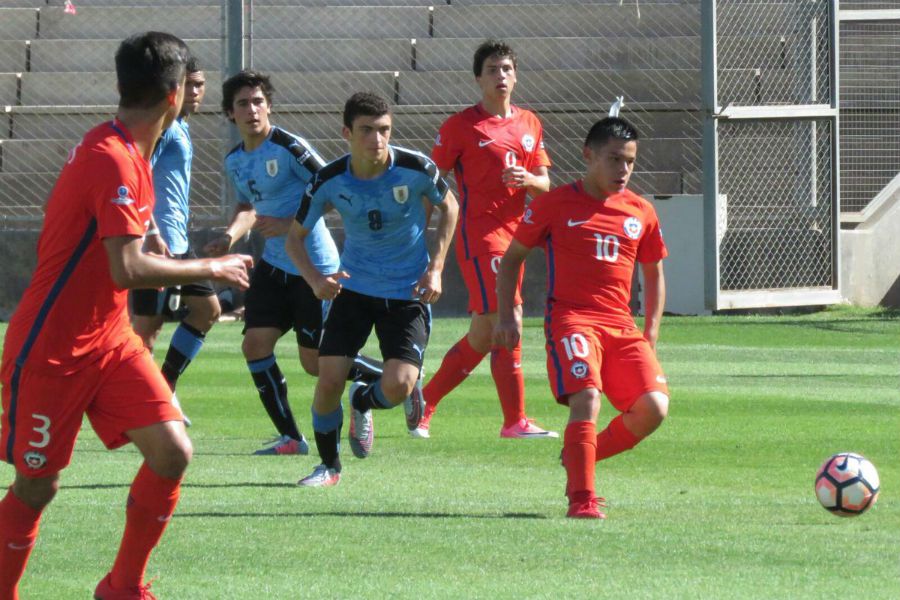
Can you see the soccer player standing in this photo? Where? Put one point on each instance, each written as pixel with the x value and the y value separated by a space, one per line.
pixel 171 163
pixel 496 152
pixel 70 350
pixel 386 279
pixel 270 170
pixel 594 231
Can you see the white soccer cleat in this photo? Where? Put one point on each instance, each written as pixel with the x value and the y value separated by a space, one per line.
pixel 362 426
pixel 321 476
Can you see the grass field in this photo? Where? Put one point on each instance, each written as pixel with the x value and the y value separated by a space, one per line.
pixel 717 504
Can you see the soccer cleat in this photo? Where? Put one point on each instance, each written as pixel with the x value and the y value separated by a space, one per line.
pixel 321 476
pixel 284 444
pixel 362 427
pixel 105 591
pixel 414 407
pixel 422 429
pixel 526 429
pixel 589 509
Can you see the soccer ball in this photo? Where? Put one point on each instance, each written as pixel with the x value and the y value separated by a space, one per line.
pixel 847 484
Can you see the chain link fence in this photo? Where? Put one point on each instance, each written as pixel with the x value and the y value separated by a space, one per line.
pixel 57 79
pixel 870 106
pixel 775 175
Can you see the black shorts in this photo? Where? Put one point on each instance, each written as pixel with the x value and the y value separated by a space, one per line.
pixel 281 300
pixel 402 327
pixel 154 302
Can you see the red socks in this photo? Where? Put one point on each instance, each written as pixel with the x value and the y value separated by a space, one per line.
pixel 459 361
pixel 151 502
pixel 614 439
pixel 579 449
pixel 506 369
pixel 18 532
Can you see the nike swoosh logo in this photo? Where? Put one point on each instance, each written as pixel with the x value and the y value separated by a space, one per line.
pixel 14 546
pixel 483 143
pixel 576 223
pixel 143 208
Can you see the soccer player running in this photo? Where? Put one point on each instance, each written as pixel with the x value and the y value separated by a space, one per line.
pixel 593 232
pixel 270 170
pixel 497 154
pixel 386 279
pixel 171 163
pixel 69 348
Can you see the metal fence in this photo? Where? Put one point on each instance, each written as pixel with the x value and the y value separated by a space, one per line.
pixel 773 144
pixel 56 77
pixel 870 102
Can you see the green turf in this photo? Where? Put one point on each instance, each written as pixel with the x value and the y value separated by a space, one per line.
pixel 717 504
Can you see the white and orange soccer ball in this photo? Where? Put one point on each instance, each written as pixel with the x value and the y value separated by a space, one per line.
pixel 847 484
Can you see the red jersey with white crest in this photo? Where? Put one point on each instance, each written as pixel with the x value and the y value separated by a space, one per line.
pixel 478 146
pixel 592 246
pixel 72 313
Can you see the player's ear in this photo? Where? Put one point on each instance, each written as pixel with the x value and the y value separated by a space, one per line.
pixel 172 97
pixel 345 133
pixel 587 153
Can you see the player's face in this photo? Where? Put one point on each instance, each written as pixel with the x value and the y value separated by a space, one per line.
pixel 498 77
pixel 369 137
pixel 250 111
pixel 609 167
pixel 194 90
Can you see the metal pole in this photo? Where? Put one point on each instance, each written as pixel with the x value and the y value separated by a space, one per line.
pixel 710 153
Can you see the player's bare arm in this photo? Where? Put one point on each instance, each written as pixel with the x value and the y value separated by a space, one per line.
pixel 153 241
pixel 326 287
pixel 508 329
pixel 241 222
pixel 536 182
pixel 429 287
pixel 132 268
pixel 654 299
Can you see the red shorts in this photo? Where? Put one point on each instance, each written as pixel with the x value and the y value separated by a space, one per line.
pixel 618 362
pixel 123 390
pixel 480 275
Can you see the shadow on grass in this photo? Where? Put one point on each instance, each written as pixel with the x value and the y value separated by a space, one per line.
pixel 365 514
pixel 111 486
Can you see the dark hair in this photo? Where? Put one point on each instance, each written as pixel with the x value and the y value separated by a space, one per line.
pixel 242 79
pixel 149 66
pixel 193 65
pixel 610 128
pixel 365 104
pixel 489 48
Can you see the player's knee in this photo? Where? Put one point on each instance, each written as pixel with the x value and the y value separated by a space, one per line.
pixel 396 390
pixel 584 405
pixel 654 408
pixel 36 493
pixel 330 386
pixel 171 457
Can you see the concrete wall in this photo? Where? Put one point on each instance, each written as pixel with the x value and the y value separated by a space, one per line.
pixel 870 258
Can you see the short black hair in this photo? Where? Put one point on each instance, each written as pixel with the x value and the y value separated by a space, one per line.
pixel 149 66
pixel 242 79
pixel 193 65
pixel 365 104
pixel 489 48
pixel 609 128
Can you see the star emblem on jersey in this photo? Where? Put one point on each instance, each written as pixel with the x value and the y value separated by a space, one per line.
pixel 401 194
pixel 632 227
pixel 528 142
pixel 122 198
pixel 272 167
pixel 35 460
pixel 527 217
pixel 579 370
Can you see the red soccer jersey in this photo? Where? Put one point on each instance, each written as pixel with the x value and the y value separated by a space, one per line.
pixel 591 248
pixel 72 313
pixel 478 147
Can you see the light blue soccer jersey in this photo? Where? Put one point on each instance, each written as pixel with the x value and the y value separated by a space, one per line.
pixel 385 251
pixel 273 178
pixel 171 164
